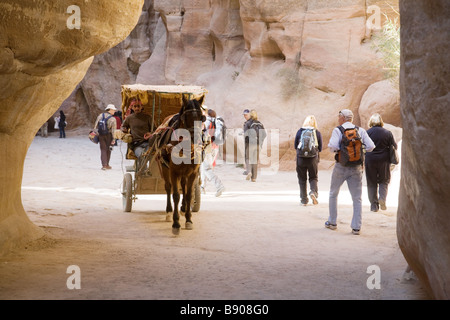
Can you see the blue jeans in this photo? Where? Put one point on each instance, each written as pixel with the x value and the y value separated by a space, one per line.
pixel 353 176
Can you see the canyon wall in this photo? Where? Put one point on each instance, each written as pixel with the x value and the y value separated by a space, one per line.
pixel 286 59
pixel 422 218
pixel 46 47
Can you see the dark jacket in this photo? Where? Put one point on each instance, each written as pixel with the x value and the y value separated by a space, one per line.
pixel 382 138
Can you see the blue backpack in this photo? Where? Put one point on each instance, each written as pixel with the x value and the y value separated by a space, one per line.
pixel 102 125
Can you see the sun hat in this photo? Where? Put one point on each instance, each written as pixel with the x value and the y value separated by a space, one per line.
pixel 110 107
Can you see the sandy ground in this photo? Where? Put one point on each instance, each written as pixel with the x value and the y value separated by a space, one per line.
pixel 254 242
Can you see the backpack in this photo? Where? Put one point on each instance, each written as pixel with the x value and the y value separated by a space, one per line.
pixel 351 152
pixel 219 135
pixel 308 145
pixel 102 125
pixel 261 133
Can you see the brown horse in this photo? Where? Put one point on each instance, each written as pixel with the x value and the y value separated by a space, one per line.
pixel 181 159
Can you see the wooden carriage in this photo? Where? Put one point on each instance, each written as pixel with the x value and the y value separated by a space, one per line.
pixel 159 102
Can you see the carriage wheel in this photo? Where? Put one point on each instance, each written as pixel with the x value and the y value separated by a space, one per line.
pixel 197 197
pixel 127 192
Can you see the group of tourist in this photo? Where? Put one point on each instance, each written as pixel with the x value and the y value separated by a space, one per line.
pixel 356 150
pixel 366 149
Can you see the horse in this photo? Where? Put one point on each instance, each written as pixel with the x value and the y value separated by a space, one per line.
pixel 179 169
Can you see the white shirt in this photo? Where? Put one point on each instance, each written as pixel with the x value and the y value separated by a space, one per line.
pixel 336 137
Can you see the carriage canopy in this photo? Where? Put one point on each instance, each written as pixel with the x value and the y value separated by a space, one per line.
pixel 159 101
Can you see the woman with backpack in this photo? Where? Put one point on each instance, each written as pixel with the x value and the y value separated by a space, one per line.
pixel 308 143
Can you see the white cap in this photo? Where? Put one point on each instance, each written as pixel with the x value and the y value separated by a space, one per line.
pixel 346 113
pixel 110 106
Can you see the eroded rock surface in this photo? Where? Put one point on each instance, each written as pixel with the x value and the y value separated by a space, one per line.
pixel 422 223
pixel 41 62
pixel 294 57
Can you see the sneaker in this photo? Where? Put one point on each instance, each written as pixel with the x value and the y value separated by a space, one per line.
pixel 108 167
pixel 303 203
pixel 104 168
pixel 220 191
pixel 313 198
pixel 382 204
pixel 355 231
pixel 330 225
pixel 249 175
pixel 253 180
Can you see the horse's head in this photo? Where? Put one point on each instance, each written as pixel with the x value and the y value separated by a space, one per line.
pixel 191 116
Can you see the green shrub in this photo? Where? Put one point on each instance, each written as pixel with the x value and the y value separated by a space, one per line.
pixel 387 42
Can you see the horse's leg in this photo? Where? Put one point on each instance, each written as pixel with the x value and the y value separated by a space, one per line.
pixel 189 188
pixel 176 199
pixel 168 188
pixel 169 209
pixel 183 200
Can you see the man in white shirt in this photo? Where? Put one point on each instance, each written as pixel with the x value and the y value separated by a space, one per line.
pixel 352 174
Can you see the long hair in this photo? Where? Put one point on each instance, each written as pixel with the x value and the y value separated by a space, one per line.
pixel 310 121
pixel 253 115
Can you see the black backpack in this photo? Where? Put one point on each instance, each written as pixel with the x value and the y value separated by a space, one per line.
pixel 102 125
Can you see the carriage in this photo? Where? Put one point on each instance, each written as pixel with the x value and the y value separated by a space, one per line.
pixel 160 102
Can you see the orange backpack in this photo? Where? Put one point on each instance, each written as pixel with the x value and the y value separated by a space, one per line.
pixel 351 151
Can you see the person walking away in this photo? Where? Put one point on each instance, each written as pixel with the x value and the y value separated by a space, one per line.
pixel 350 143
pixel 308 144
pixel 247 124
pixel 106 125
pixel 377 162
pixel 212 127
pixel 255 135
pixel 62 124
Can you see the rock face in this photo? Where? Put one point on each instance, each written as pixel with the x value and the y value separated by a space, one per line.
pixel 381 97
pixel 290 57
pixel 424 203
pixel 42 58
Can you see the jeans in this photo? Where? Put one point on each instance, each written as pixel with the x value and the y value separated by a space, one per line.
pixel 353 176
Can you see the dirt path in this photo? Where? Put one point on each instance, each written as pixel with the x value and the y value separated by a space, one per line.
pixel 254 242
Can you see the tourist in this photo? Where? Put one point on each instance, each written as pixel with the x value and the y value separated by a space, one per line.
pixel 377 162
pixel 308 144
pixel 106 125
pixel 211 152
pixel 352 174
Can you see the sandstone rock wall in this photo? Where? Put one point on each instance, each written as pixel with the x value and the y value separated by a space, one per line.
pixel 422 223
pixel 286 59
pixel 41 62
